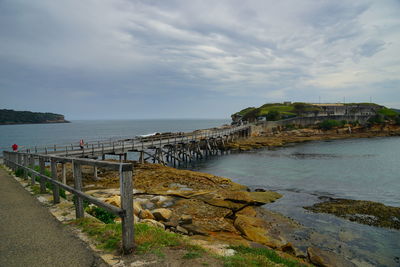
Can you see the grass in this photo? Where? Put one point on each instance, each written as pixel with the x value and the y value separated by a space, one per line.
pixel 246 256
pixel 147 238
pixel 388 112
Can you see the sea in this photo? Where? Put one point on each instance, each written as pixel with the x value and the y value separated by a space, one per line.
pixel 361 169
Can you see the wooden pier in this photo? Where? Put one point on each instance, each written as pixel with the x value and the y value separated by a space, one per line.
pixel 173 148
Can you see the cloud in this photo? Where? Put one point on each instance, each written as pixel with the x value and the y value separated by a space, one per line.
pixel 114 50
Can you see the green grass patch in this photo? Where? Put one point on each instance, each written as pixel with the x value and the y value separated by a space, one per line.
pixel 147 238
pixel 246 256
pixel 101 214
pixel 387 112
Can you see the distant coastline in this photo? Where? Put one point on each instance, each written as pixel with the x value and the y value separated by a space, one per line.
pixel 11 117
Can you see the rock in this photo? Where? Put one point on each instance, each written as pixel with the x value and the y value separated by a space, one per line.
pixel 185 219
pixel 327 258
pixel 162 214
pixel 115 200
pixel 146 214
pixel 196 230
pixel 259 190
pixel 171 224
pixel 137 208
pixel 264 197
pixel 247 211
pixel 255 229
pixel 153 223
pixel 182 230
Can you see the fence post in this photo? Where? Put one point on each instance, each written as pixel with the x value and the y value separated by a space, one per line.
pixel 42 180
pixel 25 157
pixel 56 188
pixel 64 173
pixel 127 205
pixel 32 166
pixel 79 212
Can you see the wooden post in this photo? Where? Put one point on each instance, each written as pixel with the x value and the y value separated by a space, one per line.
pixel 127 206
pixel 95 172
pixel 26 164
pixel 56 188
pixel 79 212
pixel 42 180
pixel 32 166
pixel 64 173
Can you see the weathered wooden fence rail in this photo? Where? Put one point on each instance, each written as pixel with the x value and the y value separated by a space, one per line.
pixel 27 162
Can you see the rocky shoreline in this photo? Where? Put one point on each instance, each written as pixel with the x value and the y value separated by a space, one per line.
pixel 281 138
pixel 214 209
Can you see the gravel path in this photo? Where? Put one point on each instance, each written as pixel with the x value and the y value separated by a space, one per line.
pixel 31 236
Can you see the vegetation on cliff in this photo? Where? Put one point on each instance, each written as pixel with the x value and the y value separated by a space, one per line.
pixel 9 116
pixel 275 111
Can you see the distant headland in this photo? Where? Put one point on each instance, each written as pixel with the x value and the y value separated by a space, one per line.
pixel 9 116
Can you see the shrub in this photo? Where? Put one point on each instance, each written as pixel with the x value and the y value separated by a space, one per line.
pixel 377 119
pixel 329 124
pixel 273 115
pixel 101 214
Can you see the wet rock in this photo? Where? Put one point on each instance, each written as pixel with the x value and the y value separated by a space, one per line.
pixel 264 197
pixel 327 258
pixel 361 211
pixel 162 214
pixel 182 230
pixel 146 214
pixel 185 219
pixel 259 190
pixel 153 223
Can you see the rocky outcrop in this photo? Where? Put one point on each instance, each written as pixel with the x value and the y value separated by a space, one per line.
pixel 361 211
pixel 325 258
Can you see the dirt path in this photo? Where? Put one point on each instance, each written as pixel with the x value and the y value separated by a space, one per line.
pixel 31 236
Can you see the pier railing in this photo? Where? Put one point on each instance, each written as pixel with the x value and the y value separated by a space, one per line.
pixel 135 142
pixel 27 162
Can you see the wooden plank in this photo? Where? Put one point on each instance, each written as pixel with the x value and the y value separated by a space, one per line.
pixel 42 171
pixel 78 186
pixel 56 188
pixel 127 206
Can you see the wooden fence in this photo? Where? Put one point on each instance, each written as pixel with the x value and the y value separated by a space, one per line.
pixel 27 162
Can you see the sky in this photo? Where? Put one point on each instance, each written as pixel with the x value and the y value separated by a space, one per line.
pixel 126 59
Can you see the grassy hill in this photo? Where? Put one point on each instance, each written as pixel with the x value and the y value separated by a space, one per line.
pixel 275 111
pixel 9 116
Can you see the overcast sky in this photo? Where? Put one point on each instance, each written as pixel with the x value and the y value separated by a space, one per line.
pixel 123 59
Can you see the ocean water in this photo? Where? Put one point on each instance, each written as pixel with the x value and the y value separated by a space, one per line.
pixel 362 169
pixel 28 135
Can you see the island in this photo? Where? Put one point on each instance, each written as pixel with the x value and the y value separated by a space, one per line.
pixel 9 116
